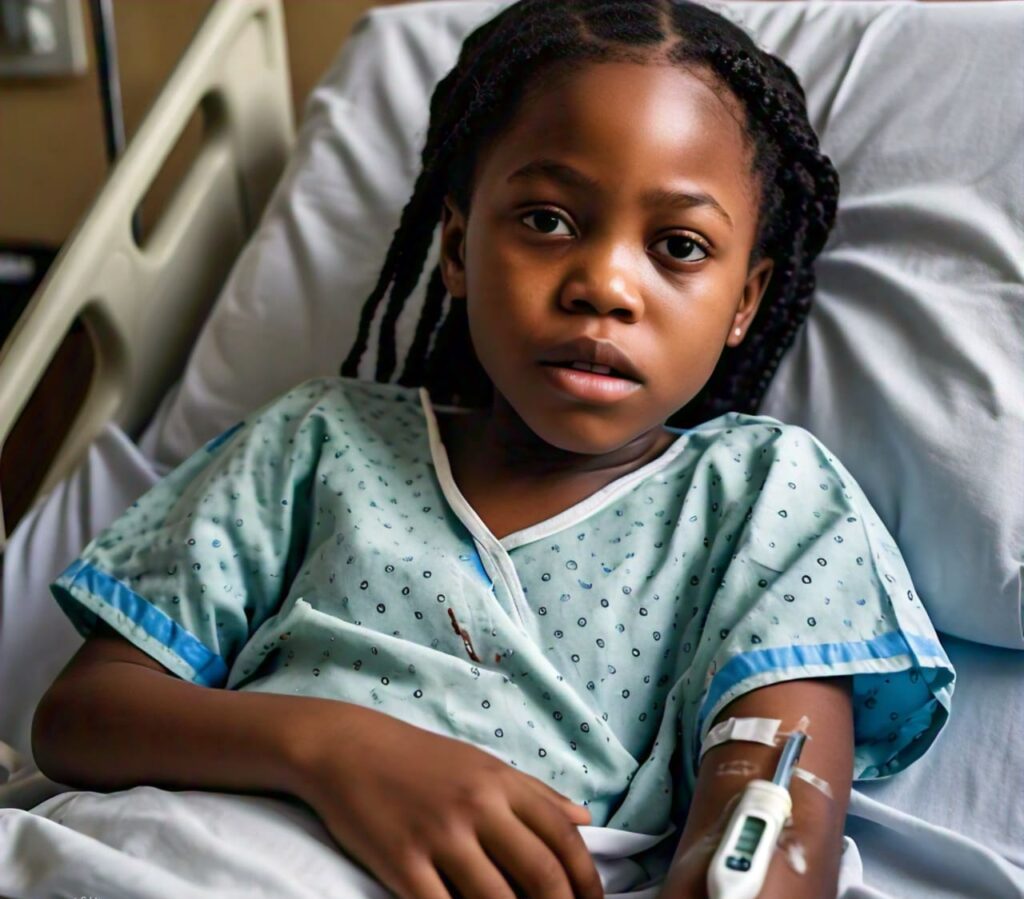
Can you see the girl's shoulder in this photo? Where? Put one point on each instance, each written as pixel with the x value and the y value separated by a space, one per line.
pixel 332 395
pixel 349 389
pixel 756 429
pixel 319 410
pixel 766 444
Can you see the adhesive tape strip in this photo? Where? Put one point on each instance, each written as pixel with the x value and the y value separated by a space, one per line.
pixel 813 780
pixel 801 727
pixel 748 730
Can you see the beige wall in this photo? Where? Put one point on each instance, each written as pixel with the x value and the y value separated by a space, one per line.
pixel 52 154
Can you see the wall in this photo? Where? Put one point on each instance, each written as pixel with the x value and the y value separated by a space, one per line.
pixel 52 155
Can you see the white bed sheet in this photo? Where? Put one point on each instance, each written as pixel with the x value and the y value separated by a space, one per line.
pixel 950 827
pixel 36 638
pixel 147 843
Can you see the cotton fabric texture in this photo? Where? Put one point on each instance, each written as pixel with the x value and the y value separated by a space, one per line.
pixel 322 548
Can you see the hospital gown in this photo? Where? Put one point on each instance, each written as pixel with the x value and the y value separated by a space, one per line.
pixel 322 548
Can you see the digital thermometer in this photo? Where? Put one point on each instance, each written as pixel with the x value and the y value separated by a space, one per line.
pixel 740 864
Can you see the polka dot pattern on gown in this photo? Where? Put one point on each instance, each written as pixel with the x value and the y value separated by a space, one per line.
pixel 318 549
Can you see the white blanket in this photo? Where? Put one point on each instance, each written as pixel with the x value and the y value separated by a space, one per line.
pixel 147 843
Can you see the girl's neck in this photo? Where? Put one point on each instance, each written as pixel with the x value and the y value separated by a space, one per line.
pixel 513 480
pixel 498 440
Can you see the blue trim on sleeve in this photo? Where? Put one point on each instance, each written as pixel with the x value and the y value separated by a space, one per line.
pixel 748 664
pixel 210 669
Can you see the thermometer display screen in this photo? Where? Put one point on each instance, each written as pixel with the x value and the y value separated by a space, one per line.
pixel 746 844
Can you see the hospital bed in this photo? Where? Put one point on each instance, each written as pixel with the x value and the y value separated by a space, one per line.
pixel 909 367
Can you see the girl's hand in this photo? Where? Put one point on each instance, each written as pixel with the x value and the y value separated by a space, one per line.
pixel 421 811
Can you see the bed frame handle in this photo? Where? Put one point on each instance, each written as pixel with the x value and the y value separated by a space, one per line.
pixel 141 306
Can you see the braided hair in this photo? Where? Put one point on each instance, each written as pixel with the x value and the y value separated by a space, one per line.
pixel 509 55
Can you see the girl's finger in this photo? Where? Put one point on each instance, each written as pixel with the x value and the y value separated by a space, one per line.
pixel 526 859
pixel 578 813
pixel 417 880
pixel 556 834
pixel 468 868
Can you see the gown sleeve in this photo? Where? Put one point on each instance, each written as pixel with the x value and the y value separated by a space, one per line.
pixel 193 568
pixel 816 587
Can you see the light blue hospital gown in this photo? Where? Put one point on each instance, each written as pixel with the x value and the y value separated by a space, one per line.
pixel 322 548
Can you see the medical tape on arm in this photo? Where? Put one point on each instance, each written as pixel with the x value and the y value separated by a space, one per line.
pixel 766 732
pixel 813 780
pixel 746 730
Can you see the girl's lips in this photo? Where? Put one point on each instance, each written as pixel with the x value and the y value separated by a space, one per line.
pixel 588 385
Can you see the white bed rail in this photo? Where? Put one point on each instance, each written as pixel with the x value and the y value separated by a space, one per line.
pixel 143 305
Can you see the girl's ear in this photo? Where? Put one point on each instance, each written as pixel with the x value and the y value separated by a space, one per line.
pixel 453 249
pixel 753 290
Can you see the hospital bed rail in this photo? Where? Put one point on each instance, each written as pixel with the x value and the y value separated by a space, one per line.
pixel 142 304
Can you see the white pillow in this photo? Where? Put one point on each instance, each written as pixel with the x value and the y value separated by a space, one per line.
pixel 909 368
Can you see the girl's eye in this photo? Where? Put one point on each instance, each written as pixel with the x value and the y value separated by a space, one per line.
pixel 682 248
pixel 547 221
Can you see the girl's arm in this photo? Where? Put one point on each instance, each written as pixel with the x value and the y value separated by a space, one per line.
pixel 813 843
pixel 409 805
pixel 115 718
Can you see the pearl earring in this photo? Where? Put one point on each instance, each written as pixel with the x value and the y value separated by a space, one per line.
pixel 738 332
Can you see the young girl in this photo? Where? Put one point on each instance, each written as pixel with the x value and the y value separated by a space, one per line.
pixel 462 615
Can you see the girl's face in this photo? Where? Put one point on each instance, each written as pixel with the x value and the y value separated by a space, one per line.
pixel 619 208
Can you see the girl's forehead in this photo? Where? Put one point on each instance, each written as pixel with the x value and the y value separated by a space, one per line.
pixel 624 121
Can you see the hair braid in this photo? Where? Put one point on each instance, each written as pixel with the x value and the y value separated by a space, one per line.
pixel 433 305
pixel 460 100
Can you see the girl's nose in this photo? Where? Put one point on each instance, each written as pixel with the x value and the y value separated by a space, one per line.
pixel 603 284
